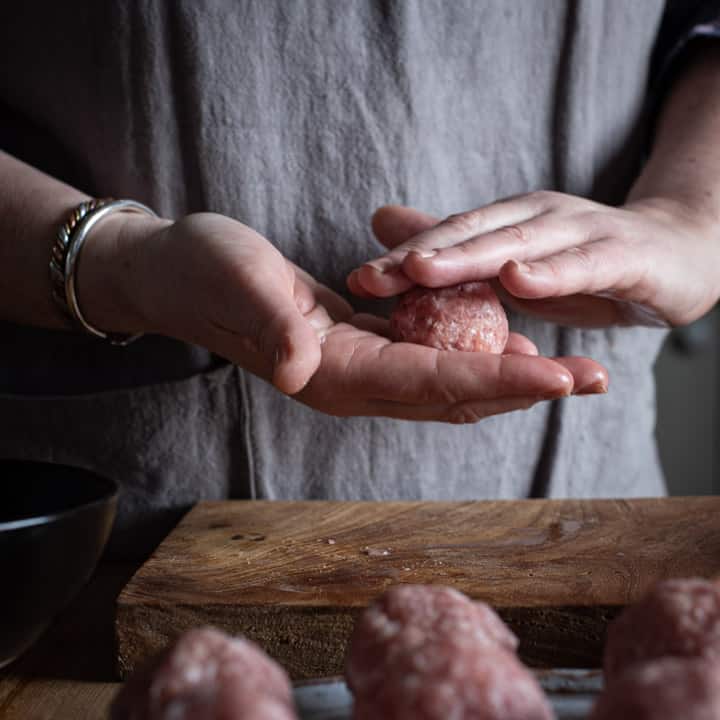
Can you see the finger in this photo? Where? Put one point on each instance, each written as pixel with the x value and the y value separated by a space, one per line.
pixel 372 323
pixel 481 257
pixel 355 287
pixel 309 292
pixel 585 311
pixel 462 226
pixel 590 378
pixel 458 414
pixel 382 276
pixel 589 268
pixel 394 224
pixel 520 345
pixel 409 373
pixel 383 282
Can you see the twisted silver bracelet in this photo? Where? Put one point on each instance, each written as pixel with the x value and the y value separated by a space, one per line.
pixel 66 249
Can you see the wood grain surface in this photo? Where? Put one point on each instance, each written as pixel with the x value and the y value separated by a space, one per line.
pixel 294 575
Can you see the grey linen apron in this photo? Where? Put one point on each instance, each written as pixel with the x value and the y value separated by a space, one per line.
pixel 299 119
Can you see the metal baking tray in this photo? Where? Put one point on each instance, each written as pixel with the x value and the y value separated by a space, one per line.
pixel 572 694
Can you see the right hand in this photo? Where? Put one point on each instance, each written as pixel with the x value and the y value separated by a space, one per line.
pixel 211 281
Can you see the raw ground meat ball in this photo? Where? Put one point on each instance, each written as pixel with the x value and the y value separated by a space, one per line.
pixel 469 683
pixel 667 689
pixel 678 617
pixel 207 675
pixel 465 317
pixel 409 617
pixel 429 652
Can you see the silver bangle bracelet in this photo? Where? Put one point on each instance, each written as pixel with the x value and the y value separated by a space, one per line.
pixel 66 250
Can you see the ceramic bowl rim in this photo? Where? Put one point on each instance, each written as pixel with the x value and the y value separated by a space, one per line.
pixel 108 495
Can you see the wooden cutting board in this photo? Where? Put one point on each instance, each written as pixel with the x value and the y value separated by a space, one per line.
pixel 293 576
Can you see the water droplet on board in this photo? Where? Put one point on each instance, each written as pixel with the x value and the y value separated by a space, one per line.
pixel 376 552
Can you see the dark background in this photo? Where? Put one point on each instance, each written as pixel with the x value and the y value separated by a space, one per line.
pixel 687 397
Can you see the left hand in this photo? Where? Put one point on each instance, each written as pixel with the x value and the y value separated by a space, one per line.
pixel 566 259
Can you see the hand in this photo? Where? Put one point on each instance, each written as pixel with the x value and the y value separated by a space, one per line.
pixel 560 257
pixel 210 280
pixel 364 373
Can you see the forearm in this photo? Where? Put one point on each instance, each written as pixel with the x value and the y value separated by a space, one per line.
pixel 684 165
pixel 32 206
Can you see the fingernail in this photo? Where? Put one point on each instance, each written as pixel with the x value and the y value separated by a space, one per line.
pixel 555 395
pixel 559 392
pixel 320 322
pixel 521 267
pixel 424 254
pixel 374 267
pixel 594 388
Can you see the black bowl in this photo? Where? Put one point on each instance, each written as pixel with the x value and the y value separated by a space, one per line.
pixel 54 523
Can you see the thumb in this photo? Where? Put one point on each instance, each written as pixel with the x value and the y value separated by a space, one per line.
pixel 294 347
pixel 394 224
pixel 283 336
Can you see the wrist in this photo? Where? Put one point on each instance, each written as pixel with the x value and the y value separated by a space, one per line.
pixel 693 271
pixel 687 188
pixel 110 275
pixel 684 211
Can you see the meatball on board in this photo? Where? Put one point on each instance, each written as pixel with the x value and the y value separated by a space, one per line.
pixel 441 579
pixel 422 652
pixel 677 618
pixel 419 651
pixel 430 652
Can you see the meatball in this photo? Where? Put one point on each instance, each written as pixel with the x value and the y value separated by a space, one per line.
pixel 418 618
pixel 678 617
pixel 465 683
pixel 207 675
pixel 667 689
pixel 429 652
pixel 465 317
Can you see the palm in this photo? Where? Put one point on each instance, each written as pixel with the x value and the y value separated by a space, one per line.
pixel 362 372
